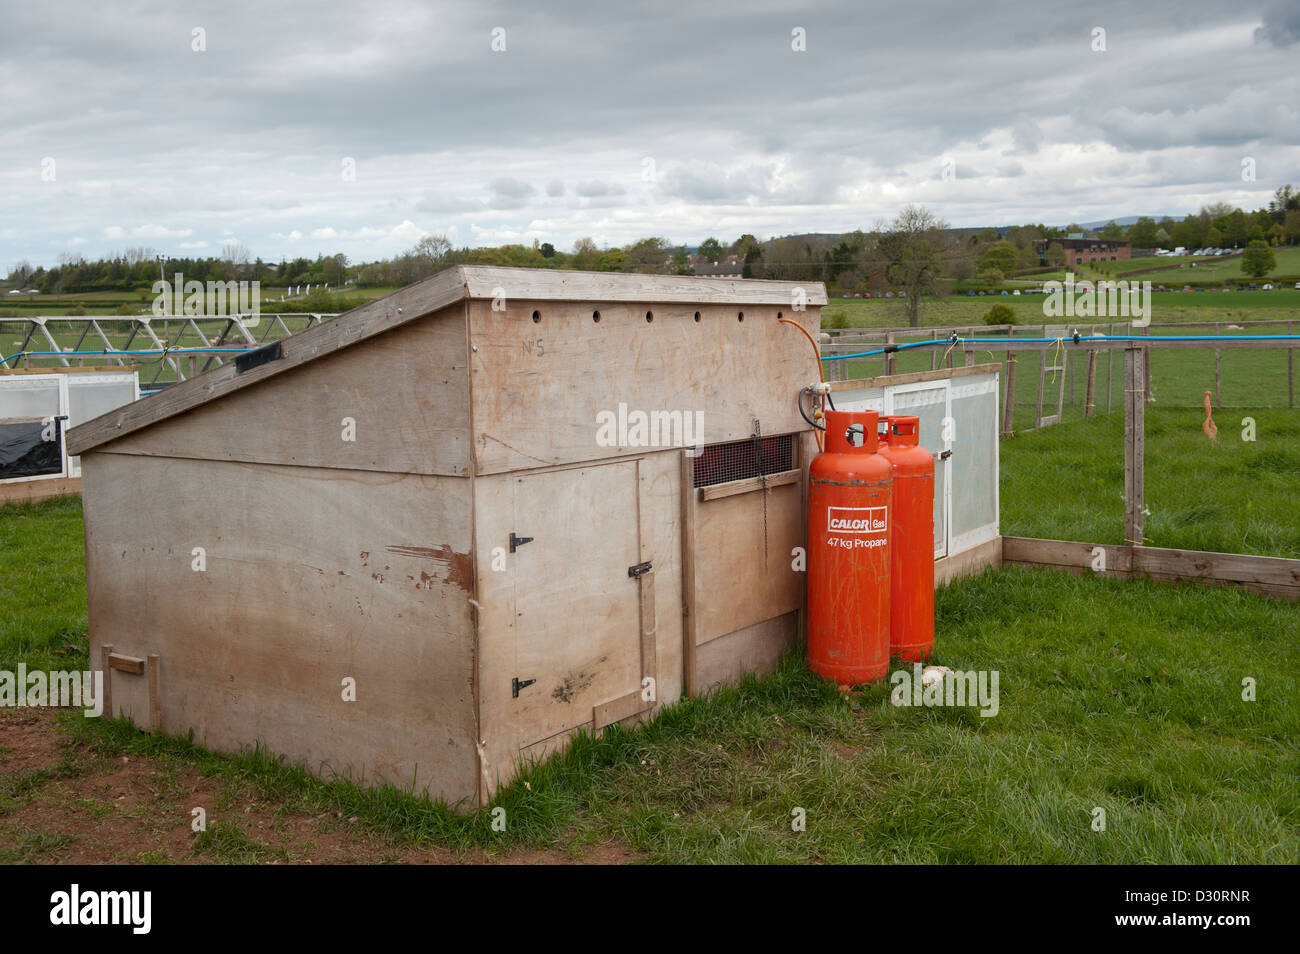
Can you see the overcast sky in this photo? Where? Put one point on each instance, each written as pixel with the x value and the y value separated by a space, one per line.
pixel 618 121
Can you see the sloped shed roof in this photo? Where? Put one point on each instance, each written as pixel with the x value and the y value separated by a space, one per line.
pixel 459 283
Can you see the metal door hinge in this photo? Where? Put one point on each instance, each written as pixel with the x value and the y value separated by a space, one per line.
pixel 640 569
pixel 517 542
pixel 516 685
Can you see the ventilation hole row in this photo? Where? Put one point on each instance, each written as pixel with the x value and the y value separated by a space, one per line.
pixel 649 316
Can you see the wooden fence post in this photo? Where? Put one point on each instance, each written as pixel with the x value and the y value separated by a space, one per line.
pixel 1009 402
pixel 1090 386
pixel 1110 367
pixel 1134 443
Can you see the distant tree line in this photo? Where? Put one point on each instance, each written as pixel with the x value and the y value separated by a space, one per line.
pixel 914 254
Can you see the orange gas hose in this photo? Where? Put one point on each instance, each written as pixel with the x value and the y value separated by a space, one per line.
pixel 821 374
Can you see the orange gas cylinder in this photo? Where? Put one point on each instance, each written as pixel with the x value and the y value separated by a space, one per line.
pixel 848 552
pixel 911 588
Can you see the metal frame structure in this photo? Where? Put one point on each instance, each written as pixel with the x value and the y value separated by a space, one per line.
pixel 137 336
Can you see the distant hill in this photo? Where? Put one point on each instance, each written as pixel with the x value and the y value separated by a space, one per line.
pixel 1126 220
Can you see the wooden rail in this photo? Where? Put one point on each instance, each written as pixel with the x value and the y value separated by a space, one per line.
pixel 1272 576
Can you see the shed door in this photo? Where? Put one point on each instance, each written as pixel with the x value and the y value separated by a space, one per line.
pixel 578 613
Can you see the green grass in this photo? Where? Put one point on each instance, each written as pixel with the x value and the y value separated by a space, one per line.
pixel 43 585
pixel 30 845
pixel 1119 695
pixel 226 843
pixel 959 311
pixel 1118 268
pixel 1288 263
pixel 1067 482
pixel 140 300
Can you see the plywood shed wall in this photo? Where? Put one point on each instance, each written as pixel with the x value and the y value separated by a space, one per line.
pixel 476 564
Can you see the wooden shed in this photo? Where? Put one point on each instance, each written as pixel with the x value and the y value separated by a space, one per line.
pixel 430 539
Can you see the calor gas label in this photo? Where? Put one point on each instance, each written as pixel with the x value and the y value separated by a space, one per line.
pixel 863 520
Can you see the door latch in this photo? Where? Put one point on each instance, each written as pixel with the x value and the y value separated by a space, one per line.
pixel 945 455
pixel 640 569
pixel 517 542
pixel 516 685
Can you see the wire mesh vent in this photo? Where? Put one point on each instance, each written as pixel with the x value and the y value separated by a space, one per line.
pixel 741 460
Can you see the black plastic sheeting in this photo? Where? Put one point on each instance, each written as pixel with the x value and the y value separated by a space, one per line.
pixel 25 453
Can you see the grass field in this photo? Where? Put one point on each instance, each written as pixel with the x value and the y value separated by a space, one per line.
pixel 1288 263
pixel 1234 496
pixel 1119 695
pixel 959 311
pixel 140 301
pixel 1142 263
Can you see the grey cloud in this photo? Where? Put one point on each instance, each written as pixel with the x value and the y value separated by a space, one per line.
pixel 594 188
pixel 249 135
pixel 510 188
pixel 1281 26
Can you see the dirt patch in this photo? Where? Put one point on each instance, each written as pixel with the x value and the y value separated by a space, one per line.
pixel 27 740
pixel 64 804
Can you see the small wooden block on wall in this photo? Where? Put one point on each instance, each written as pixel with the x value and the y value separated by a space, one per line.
pixel 616 710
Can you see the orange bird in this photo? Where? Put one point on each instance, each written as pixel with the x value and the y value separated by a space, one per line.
pixel 1211 431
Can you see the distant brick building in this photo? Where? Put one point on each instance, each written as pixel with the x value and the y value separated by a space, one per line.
pixel 1080 250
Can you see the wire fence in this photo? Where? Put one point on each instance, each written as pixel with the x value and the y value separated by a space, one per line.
pixel 1056 373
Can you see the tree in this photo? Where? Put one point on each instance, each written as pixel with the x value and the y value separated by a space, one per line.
pixel 1258 259
pixel 647 255
pixel 745 246
pixel 1113 230
pixel 1237 234
pixel 1213 237
pixel 1286 199
pixel 585 251
pixel 429 253
pixel 235 255
pixel 1188 233
pixel 681 260
pixel 1217 210
pixel 1000 257
pixel 1056 254
pixel 20 274
pixel 335 268
pixel 711 250
pixel 547 250
pixel 1142 233
pixel 1291 226
pixel 913 244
